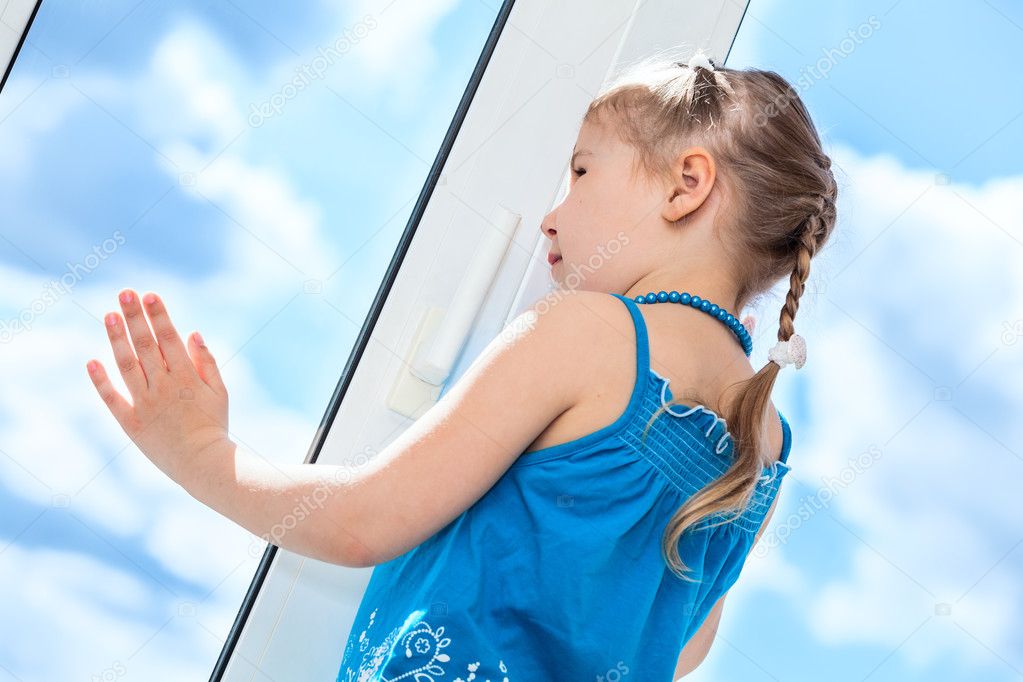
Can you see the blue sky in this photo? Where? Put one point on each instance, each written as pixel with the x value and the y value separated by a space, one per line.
pixel 126 132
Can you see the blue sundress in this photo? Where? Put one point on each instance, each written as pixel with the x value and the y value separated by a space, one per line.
pixel 556 573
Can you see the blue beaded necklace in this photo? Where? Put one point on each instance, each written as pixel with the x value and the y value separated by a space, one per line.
pixel 706 306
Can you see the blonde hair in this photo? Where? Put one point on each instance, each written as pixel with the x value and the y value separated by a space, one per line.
pixel 780 211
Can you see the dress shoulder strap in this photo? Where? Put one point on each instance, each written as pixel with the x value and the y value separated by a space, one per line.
pixel 642 338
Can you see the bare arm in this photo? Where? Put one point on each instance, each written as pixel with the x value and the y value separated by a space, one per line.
pixel 436 469
pixel 698 646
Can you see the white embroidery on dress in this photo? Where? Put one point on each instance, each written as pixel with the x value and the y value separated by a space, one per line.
pixel 412 638
pixel 473 667
pixel 372 658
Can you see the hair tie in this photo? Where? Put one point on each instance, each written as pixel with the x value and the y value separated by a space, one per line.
pixel 791 352
pixel 699 59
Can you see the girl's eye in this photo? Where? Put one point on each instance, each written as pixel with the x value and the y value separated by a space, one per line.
pixel 578 171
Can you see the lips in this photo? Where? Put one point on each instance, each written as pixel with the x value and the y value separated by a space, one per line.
pixel 553 258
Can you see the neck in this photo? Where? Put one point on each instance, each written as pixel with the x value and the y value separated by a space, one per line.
pixel 713 289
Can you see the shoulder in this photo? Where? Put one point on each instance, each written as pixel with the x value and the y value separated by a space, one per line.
pixel 576 334
pixel 562 322
pixel 569 323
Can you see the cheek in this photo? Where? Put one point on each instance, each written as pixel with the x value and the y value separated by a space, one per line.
pixel 585 207
pixel 596 217
pixel 595 213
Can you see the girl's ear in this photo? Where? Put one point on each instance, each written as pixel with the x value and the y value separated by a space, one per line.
pixel 693 177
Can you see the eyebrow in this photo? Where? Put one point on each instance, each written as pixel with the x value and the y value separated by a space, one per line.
pixel 579 152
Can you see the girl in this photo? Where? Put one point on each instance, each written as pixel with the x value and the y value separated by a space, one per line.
pixel 559 513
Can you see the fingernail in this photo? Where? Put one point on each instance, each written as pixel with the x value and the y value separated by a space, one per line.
pixel 126 297
pixel 198 338
pixel 150 299
pixel 111 319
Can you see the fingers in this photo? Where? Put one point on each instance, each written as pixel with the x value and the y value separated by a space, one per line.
pixel 118 406
pixel 169 342
pixel 148 352
pixel 205 364
pixel 124 355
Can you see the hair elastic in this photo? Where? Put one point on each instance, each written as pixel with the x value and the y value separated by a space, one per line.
pixel 698 59
pixel 791 352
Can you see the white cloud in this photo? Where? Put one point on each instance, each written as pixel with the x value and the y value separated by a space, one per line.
pixel 191 88
pixel 393 46
pixel 105 622
pixel 261 201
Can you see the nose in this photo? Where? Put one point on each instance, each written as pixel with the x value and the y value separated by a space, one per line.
pixel 549 225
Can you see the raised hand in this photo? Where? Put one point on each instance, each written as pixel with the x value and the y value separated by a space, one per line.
pixel 178 408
